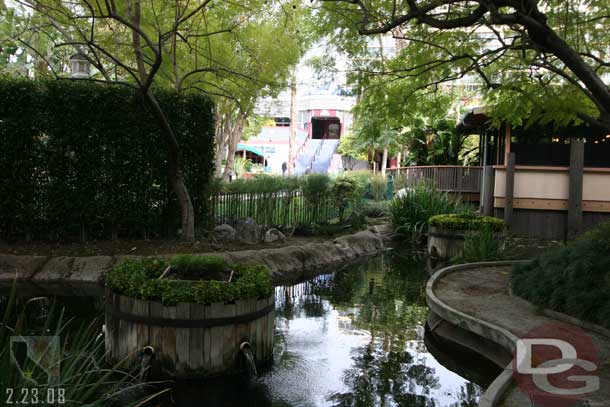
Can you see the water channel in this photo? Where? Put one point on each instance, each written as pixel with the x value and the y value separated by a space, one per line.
pixel 353 337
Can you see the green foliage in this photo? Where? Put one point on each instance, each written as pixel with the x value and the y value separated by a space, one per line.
pixel 466 221
pixel 80 158
pixel 261 184
pixel 191 267
pixel 84 377
pixel 375 209
pixel 241 165
pixel 480 246
pixel 138 278
pixel 314 186
pixel 345 192
pixel 573 279
pixel 410 213
pixel 379 187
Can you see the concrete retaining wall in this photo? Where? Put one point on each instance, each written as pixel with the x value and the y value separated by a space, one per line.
pixel 287 263
pixel 496 334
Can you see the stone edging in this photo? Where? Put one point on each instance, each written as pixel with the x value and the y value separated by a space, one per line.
pixel 286 263
pixel 485 329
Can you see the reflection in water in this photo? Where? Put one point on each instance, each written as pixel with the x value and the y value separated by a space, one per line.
pixel 351 338
pixel 355 338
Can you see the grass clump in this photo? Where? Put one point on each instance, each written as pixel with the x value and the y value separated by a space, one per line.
pixel 410 212
pixel 466 221
pixel 379 187
pixel 83 377
pixel 573 279
pixel 480 246
pixel 200 279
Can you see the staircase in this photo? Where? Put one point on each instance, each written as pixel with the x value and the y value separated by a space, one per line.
pixel 316 156
pixel 322 160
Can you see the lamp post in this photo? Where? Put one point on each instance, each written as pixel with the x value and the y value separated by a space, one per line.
pixel 79 66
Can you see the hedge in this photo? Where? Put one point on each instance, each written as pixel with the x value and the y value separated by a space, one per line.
pixel 198 280
pixel 573 279
pixel 82 159
pixel 466 221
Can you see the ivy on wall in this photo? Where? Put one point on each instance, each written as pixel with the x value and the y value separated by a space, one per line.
pixel 82 160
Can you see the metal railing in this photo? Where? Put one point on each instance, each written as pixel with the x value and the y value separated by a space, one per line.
pixel 279 208
pixel 449 178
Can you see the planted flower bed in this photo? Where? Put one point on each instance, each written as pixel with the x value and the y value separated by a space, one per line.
pixel 446 233
pixel 194 316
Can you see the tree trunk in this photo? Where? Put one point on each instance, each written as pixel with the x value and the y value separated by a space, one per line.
pixel 176 176
pixel 234 136
pixel 220 142
pixel 174 164
pixel 384 161
pixel 293 123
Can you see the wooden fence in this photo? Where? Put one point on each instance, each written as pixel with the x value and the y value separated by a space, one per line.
pixel 280 208
pixel 449 178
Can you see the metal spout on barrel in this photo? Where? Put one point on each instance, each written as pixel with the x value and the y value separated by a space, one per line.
pixel 245 349
pixel 146 359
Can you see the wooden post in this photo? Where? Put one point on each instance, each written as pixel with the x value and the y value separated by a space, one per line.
pixel 487 193
pixel 507 136
pixel 510 189
pixel 577 158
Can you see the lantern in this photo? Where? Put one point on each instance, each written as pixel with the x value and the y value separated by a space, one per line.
pixel 79 65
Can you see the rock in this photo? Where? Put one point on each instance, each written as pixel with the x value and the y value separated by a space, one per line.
pixel 248 231
pixel 20 267
pixel 273 235
pixel 225 233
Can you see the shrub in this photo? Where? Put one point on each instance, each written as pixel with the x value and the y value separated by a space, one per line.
pixel 379 187
pixel 374 209
pixel 201 267
pixel 138 278
pixel 70 170
pixel 573 279
pixel 466 221
pixel 314 186
pixel 345 192
pixel 480 246
pixel 410 212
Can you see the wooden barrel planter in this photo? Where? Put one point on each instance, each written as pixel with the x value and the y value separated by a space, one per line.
pixel 447 233
pixel 190 340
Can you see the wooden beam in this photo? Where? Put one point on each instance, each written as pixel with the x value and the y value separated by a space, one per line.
pixel 553 204
pixel 510 190
pixel 487 199
pixel 507 135
pixel 577 158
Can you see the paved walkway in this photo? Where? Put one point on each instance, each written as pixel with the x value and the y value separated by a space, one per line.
pixel 483 293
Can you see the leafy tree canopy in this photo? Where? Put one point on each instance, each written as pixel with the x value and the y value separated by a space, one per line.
pixel 534 60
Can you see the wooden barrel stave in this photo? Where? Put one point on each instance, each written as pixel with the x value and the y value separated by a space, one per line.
pixel 185 352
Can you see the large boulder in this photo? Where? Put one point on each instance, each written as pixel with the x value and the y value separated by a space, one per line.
pixel 225 233
pixel 273 235
pixel 248 231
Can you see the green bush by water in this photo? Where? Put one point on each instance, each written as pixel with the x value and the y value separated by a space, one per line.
pixel 375 209
pixel 139 278
pixel 411 212
pixel 466 221
pixel 573 279
pixel 480 246
pixel 345 192
pixel 379 187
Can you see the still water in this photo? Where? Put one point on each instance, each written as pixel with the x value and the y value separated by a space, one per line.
pixel 353 337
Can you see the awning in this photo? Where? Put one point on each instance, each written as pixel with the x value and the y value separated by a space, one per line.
pixel 250 148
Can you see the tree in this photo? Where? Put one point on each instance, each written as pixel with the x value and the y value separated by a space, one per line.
pixel 550 50
pixel 208 46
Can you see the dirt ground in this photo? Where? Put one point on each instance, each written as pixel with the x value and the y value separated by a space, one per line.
pixel 141 247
